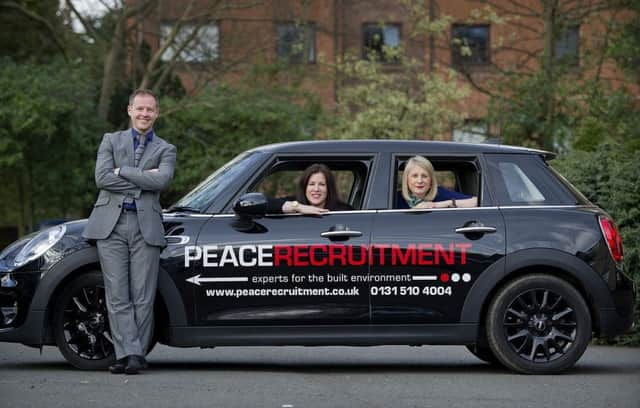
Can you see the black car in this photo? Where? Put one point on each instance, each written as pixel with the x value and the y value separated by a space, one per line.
pixel 523 280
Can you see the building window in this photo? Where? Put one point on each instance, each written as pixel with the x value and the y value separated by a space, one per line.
pixel 379 40
pixel 201 47
pixel 470 46
pixel 565 47
pixel 296 42
pixel 473 131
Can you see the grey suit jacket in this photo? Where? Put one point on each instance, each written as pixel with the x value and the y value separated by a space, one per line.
pixel 116 150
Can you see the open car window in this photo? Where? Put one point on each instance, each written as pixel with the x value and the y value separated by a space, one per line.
pixel 284 183
pixel 455 174
pixel 281 177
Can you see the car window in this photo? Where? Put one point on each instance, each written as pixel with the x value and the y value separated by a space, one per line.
pixel 519 187
pixel 204 193
pixel 283 183
pixel 281 178
pixel 459 175
pixel 520 179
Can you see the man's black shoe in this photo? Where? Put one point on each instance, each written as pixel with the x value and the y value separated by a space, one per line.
pixel 135 364
pixel 119 366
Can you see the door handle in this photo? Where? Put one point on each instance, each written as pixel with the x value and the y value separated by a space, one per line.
pixel 340 232
pixel 476 229
pixel 177 239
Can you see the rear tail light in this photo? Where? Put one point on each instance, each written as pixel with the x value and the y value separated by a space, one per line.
pixel 611 235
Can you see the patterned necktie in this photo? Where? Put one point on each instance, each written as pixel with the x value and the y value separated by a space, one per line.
pixel 142 141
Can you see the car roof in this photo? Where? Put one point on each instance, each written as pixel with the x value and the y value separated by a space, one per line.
pixel 396 146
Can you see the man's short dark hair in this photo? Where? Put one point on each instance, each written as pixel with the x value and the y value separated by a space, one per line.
pixel 143 91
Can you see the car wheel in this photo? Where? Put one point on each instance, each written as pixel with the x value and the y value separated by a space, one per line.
pixel 484 353
pixel 538 324
pixel 81 324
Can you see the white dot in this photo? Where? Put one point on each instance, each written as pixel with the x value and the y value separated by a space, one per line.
pixel 466 277
pixel 455 277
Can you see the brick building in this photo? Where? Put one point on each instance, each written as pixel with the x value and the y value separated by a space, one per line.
pixel 233 37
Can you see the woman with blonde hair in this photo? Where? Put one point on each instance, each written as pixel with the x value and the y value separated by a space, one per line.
pixel 420 188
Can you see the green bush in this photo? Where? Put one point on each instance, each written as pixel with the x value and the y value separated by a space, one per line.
pixel 49 134
pixel 609 178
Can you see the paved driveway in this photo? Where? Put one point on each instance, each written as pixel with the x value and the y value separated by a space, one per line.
pixel 290 377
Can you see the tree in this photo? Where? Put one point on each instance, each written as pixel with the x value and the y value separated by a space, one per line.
pixel 391 94
pixel 546 78
pixel 47 141
pixel 406 103
pixel 153 52
pixel 625 42
pixel 613 116
pixel 31 30
pixel 608 176
pixel 111 43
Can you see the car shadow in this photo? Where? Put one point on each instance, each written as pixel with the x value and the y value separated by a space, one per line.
pixel 368 368
pixel 315 368
pixel 329 367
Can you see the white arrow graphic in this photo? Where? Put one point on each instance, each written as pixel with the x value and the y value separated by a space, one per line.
pixel 198 280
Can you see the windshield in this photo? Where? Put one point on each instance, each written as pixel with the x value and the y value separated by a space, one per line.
pixel 200 198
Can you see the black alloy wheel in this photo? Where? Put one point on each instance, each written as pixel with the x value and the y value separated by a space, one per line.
pixel 538 324
pixel 81 324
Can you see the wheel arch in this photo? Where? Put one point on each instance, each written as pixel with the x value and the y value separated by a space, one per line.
pixel 55 280
pixel 557 263
pixel 56 293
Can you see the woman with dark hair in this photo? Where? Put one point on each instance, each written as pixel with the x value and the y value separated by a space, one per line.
pixel 316 194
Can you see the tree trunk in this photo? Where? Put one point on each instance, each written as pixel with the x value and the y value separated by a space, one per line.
pixel 432 39
pixel 32 207
pixel 21 205
pixel 548 60
pixel 109 75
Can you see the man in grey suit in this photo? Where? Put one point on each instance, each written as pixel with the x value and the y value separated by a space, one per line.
pixel 132 168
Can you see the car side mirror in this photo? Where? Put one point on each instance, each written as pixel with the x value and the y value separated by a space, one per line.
pixel 251 205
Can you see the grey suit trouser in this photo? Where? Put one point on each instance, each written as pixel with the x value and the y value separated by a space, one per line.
pixel 130 270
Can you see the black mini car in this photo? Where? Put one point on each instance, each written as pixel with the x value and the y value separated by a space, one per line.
pixel 524 279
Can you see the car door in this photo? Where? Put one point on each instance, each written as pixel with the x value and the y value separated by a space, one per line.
pixel 282 270
pixel 425 261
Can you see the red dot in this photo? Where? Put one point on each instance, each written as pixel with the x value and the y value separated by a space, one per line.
pixel 444 277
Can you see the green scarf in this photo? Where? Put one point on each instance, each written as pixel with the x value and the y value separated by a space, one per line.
pixel 413 200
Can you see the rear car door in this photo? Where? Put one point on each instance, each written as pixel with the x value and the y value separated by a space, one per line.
pixel 426 261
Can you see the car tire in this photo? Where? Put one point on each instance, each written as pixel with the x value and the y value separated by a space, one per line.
pixel 538 324
pixel 484 353
pixel 81 324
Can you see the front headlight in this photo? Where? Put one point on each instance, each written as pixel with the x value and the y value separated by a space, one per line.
pixel 39 244
pixel 14 247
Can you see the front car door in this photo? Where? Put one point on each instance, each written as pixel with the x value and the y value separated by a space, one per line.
pixel 286 269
